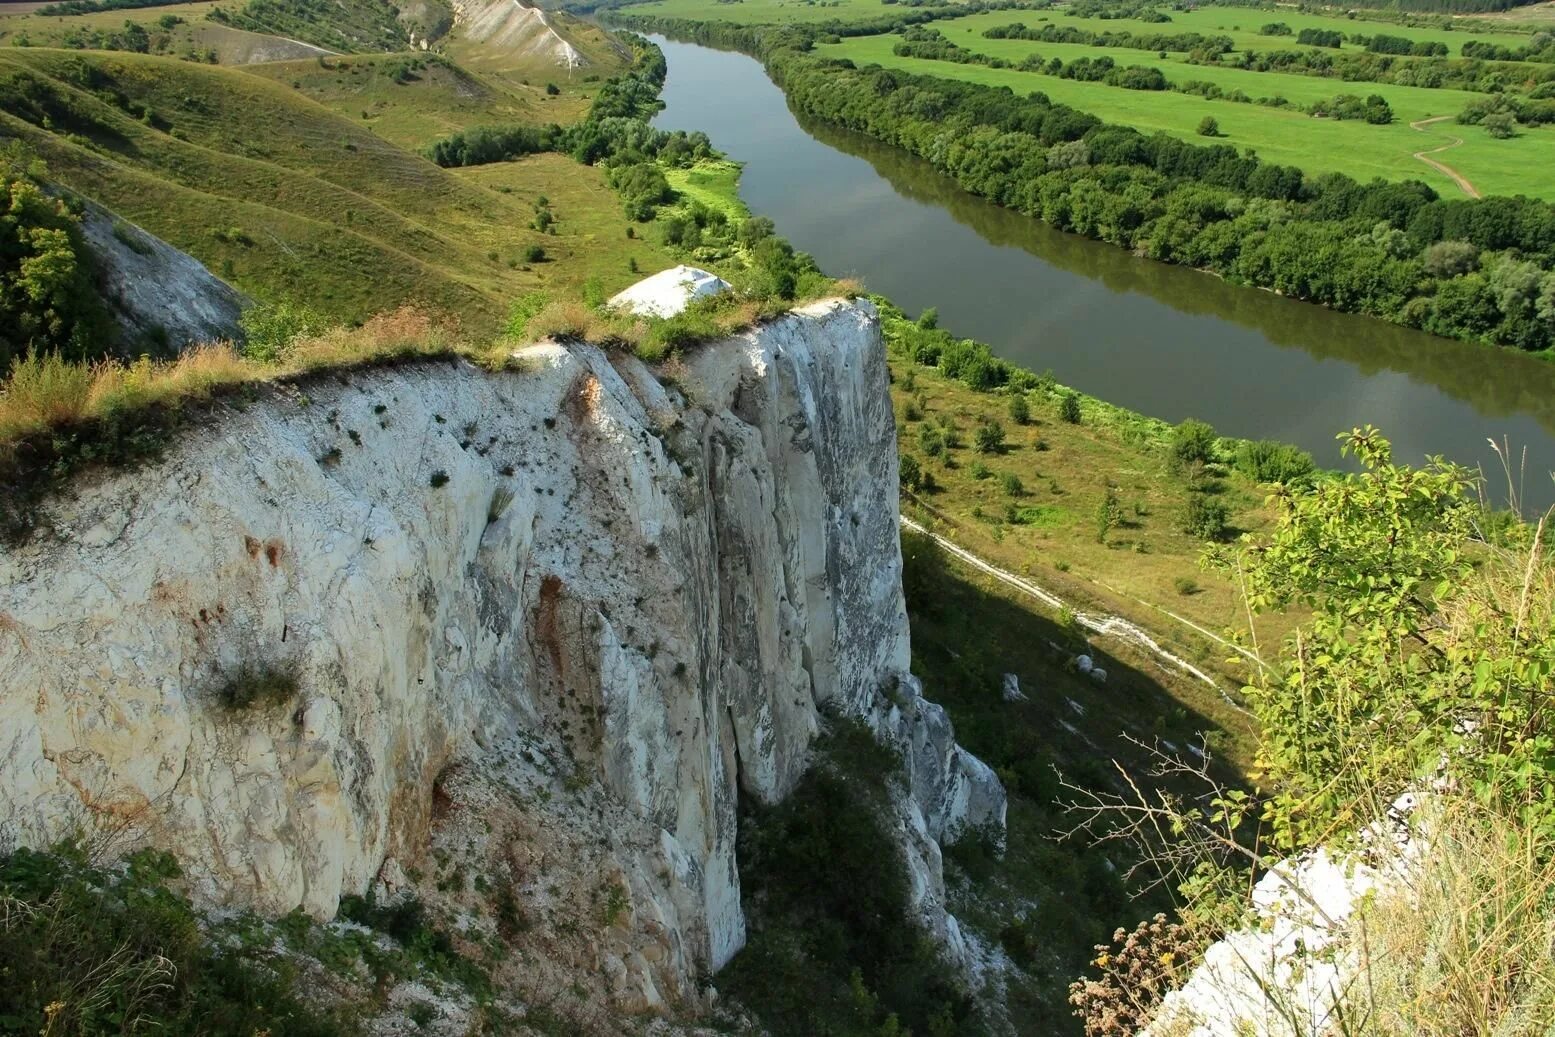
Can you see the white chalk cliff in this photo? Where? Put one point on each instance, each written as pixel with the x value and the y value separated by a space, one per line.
pixel 575 603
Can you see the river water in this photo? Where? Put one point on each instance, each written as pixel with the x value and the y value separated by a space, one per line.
pixel 1162 340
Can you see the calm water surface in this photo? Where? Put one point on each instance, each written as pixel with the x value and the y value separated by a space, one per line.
pixel 1162 340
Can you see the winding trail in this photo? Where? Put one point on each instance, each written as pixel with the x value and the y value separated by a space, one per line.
pixel 1425 156
pixel 1101 624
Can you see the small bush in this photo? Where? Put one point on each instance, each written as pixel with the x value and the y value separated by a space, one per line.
pixel 257 687
pixel 1205 517
pixel 911 473
pixel 438 480
pixel 1020 410
pixel 534 254
pixel 989 438
pixel 931 440
pixel 1193 442
pixel 1500 125
pixel 1069 407
pixel 1209 127
pixel 1186 586
pixel 1012 484
pixel 1109 512
pixel 1267 461
pixel 270 329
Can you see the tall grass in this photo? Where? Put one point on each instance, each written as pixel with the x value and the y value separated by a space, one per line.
pixel 1467 944
pixel 46 392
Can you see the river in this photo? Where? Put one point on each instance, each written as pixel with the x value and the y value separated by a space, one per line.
pixel 1159 339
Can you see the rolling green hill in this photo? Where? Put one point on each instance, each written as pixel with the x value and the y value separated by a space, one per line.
pixel 285 198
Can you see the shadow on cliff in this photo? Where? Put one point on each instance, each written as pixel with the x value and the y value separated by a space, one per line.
pixel 1047 900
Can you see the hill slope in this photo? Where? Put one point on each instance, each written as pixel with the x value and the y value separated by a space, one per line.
pixel 283 197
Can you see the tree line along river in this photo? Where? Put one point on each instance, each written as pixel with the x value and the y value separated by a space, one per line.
pixel 1160 339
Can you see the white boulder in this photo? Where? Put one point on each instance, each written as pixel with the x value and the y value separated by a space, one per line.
pixel 668 292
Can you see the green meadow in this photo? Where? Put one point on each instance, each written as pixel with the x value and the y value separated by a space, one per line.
pixel 1516 166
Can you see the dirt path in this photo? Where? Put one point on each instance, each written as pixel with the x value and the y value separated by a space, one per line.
pixel 1100 624
pixel 1424 156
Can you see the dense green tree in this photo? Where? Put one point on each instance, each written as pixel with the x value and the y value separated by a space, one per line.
pixel 48 292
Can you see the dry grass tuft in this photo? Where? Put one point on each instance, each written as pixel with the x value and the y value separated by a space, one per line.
pixel 849 287
pixel 1468 947
pixel 405 332
pixel 47 392
pixel 43 391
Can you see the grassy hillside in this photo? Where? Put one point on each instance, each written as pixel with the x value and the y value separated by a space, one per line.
pixel 177 30
pixel 411 99
pixel 285 198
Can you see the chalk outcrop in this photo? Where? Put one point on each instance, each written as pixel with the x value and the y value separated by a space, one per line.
pixel 575 604
pixel 162 299
pixel 1291 972
pixel 519 30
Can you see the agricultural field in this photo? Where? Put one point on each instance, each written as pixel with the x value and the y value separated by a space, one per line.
pixel 1517 165
pixel 1242 25
pixel 765 12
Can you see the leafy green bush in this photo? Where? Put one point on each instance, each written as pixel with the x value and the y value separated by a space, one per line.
pixel 989 438
pixel 48 297
pixel 269 329
pixel 1069 407
pixel 1206 517
pixel 1428 651
pixel 1193 442
pixel 1264 460
pixel 1020 409
pixel 911 473
pixel 642 188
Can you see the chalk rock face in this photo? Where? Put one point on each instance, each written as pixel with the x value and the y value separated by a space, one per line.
pixel 568 569
pixel 515 29
pixel 162 299
pixel 1290 973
